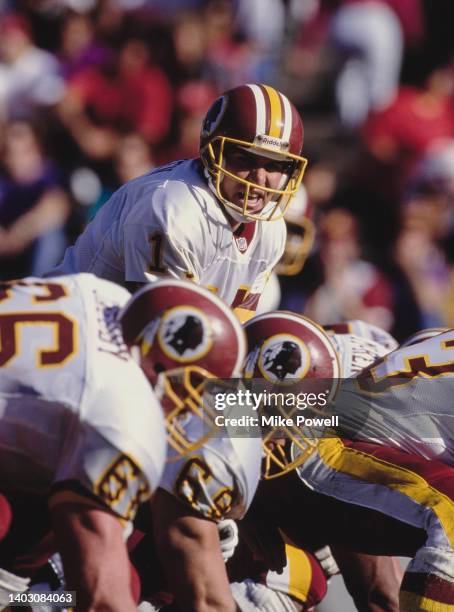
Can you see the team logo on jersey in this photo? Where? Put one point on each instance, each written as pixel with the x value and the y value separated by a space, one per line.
pixel 283 359
pixel 214 116
pixel 241 243
pixel 184 334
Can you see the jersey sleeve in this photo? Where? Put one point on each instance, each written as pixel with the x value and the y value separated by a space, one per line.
pixel 159 242
pixel 203 482
pixel 356 353
pixel 115 453
pixel 206 486
pixel 99 473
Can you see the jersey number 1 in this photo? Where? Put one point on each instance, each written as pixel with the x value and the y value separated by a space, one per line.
pixel 156 241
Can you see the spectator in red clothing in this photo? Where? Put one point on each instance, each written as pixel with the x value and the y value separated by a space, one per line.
pixel 130 95
pixel 350 288
pixel 193 99
pixel 231 57
pixel 401 134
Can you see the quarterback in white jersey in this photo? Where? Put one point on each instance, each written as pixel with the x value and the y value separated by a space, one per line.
pixel 79 423
pixel 217 219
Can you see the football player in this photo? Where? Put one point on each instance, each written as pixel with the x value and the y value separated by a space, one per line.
pixel 364 330
pixel 300 237
pixel 217 219
pixel 209 476
pixel 81 432
pixel 182 334
pixel 388 468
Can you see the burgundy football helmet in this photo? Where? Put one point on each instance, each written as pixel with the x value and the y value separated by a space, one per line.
pixel 263 121
pixel 185 335
pixel 285 349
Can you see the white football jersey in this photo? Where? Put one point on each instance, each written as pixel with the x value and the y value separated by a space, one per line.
pixel 404 401
pixel 74 405
pixel 356 352
pixel 219 479
pixel 365 330
pixel 168 222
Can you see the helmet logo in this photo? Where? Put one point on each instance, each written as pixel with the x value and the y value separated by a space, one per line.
pixel 214 116
pixel 269 141
pixel 184 334
pixel 284 359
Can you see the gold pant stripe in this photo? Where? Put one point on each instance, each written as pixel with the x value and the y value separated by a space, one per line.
pixel 412 602
pixel 300 572
pixel 377 471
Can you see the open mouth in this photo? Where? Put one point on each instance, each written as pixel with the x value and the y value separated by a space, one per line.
pixel 255 200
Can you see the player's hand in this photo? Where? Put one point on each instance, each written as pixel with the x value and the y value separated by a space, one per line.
pixel 228 537
pixel 327 561
pixel 10 584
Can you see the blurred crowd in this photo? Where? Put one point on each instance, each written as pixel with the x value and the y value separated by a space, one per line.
pixel 95 93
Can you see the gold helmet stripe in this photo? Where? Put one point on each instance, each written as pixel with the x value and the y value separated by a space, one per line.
pixel 276 112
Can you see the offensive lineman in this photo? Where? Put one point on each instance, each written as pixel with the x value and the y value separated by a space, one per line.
pixel 393 465
pixel 217 219
pixel 183 334
pixel 80 427
pixel 193 335
pixel 301 584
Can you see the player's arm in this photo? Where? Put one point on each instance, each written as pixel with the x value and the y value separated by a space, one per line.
pixel 372 581
pixel 188 546
pixel 95 560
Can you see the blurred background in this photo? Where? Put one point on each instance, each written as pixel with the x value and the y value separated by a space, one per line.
pixel 95 93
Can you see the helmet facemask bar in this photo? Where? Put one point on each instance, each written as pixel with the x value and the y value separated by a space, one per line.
pixel 280 197
pixel 170 387
pixel 300 238
pixel 277 461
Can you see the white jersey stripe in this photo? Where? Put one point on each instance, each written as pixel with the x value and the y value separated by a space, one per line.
pixel 287 119
pixel 260 126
